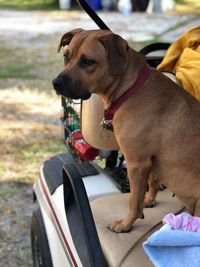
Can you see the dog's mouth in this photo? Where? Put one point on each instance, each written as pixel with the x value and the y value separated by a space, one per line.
pixel 58 93
pixel 73 96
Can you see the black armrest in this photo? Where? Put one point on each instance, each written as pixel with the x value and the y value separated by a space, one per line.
pixel 154 47
pixel 154 61
pixel 80 219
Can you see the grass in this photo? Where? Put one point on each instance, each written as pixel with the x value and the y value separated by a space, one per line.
pixel 15 63
pixel 14 70
pixel 7 191
pixel 30 133
pixel 187 6
pixel 188 2
pixel 53 4
pixel 29 4
pixel 29 114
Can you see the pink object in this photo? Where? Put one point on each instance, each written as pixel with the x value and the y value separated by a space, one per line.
pixel 183 221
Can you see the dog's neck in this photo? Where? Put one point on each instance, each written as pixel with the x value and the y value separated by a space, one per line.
pixel 141 79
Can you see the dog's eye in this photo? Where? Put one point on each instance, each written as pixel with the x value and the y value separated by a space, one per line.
pixel 86 62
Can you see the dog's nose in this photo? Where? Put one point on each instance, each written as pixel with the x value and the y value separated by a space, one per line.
pixel 57 84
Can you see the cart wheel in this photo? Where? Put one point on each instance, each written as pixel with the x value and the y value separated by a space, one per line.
pixel 39 242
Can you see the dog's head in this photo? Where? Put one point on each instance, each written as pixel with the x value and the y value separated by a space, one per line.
pixel 93 61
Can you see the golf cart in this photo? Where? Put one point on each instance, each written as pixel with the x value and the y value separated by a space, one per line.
pixel 76 197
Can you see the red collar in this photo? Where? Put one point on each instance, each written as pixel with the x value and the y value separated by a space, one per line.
pixel 143 76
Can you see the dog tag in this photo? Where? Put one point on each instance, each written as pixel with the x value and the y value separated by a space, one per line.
pixel 107 125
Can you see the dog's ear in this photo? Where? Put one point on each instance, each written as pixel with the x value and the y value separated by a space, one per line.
pixel 67 37
pixel 116 48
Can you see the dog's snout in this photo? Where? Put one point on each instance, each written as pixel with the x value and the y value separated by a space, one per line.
pixel 64 86
pixel 57 84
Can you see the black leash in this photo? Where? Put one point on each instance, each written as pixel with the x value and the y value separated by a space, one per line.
pixel 93 15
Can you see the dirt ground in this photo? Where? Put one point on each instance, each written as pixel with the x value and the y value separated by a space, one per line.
pixel 15 213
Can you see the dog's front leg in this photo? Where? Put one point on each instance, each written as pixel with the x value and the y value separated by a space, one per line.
pixel 138 176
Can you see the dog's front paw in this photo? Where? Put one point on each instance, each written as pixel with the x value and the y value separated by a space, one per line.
pixel 120 227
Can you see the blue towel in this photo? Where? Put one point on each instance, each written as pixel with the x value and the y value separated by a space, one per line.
pixel 173 248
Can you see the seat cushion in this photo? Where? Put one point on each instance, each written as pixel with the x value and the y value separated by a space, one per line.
pixel 126 249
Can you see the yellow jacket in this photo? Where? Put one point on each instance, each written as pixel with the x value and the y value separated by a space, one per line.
pixel 183 59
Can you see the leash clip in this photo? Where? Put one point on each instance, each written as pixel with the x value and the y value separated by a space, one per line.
pixel 107 124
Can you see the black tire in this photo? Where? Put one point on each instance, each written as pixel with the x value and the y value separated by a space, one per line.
pixel 39 242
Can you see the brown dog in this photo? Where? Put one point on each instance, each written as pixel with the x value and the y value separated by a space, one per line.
pixel 157 127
